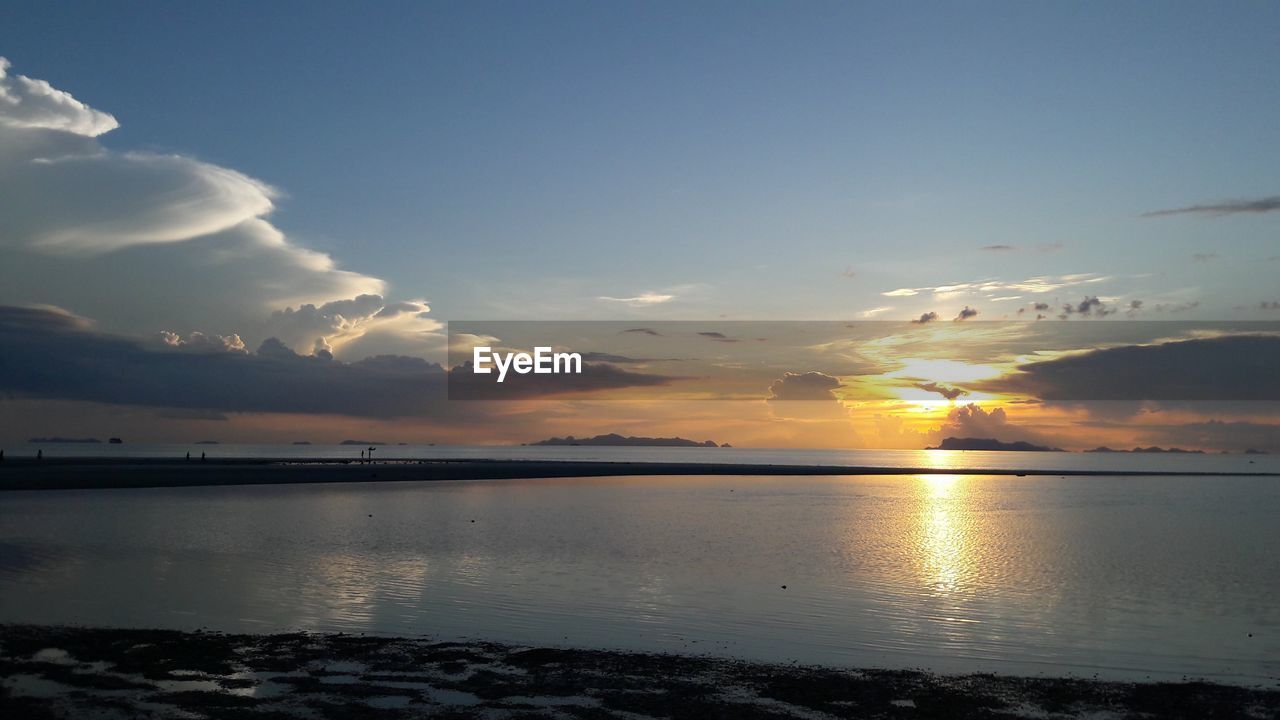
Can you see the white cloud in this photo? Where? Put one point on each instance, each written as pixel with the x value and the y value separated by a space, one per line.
pixel 644 299
pixel 28 103
pixel 148 243
pixel 1038 284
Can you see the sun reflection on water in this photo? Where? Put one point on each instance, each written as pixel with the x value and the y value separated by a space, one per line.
pixel 942 537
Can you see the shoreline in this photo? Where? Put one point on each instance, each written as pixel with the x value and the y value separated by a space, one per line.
pixel 114 472
pixel 60 671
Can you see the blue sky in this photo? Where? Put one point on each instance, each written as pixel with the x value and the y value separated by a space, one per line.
pixel 521 159
pixel 289 189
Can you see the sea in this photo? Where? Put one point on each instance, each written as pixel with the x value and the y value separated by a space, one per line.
pixel 1163 576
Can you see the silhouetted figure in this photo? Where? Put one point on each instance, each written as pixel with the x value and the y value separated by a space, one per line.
pixel 188 454
pixel 371 454
pixel 201 457
pixel 39 454
pixel 1 456
pixel 361 456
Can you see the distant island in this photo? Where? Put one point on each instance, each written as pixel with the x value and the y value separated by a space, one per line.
pixel 362 442
pixel 954 443
pixel 59 439
pixel 301 442
pixel 206 442
pixel 614 439
pixel 1152 449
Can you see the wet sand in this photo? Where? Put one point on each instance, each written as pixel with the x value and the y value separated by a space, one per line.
pixel 88 473
pixel 60 672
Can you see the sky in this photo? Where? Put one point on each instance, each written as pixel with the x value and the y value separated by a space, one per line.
pixel 345 179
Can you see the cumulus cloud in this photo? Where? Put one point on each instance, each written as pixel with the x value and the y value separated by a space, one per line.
pixel 30 103
pixel 1230 207
pixel 150 242
pixel 972 421
pixel 966 314
pixel 926 318
pixel 339 321
pixel 199 342
pixel 804 386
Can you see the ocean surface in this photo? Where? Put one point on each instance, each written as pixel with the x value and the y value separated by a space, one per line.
pixel 1119 577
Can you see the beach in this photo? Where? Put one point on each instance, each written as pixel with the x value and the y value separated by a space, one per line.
pixel 56 672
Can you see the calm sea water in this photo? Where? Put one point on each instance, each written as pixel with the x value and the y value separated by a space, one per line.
pixel 1125 577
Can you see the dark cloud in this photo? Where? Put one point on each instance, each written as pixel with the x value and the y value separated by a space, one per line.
pixel 1232 207
pixel 966 313
pixel 1228 368
pixel 926 318
pixel 946 391
pixel 1269 305
pixel 1205 257
pixel 52 355
pixel 996 248
pixel 1041 307
pixel 1220 435
pixel 804 386
pixel 1088 307
pixel 644 331
pixel 718 337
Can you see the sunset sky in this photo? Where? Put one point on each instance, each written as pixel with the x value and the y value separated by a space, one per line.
pixel 254 226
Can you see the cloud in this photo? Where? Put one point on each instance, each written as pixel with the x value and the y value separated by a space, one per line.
pixel 1220 435
pixel 1091 307
pixel 339 321
pixel 946 391
pixel 643 331
pixel 926 318
pixel 199 342
pixel 1225 368
pixel 807 386
pixel 875 311
pixel 996 248
pixel 52 354
pixel 718 337
pixel 972 421
pixel 154 242
pixel 644 299
pixel 1035 285
pixel 1230 207
pixel 1205 257
pixel 966 313
pixel 29 103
